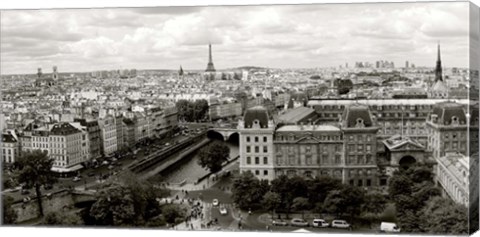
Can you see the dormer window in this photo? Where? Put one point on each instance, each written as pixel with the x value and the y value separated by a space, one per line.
pixel 359 123
pixel 455 120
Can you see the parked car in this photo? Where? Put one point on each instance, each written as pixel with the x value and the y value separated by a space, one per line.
pixel 279 222
pixel 223 211
pixel 389 227
pixel 340 224
pixel 25 192
pixel 215 202
pixel 298 222
pixel 319 223
pixel 76 179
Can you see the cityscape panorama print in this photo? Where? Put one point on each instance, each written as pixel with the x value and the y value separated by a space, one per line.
pixel 309 118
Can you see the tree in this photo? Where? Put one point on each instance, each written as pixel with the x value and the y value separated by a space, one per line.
pixel 129 203
pixel 183 110
pixel 319 187
pixel 200 108
pixel 62 218
pixel 9 214
pixel 346 200
pixel 419 174
pixel 399 184
pixel 114 208
pixel 300 204
pixel 422 192
pixel 443 216
pixel 343 86
pixel 248 191
pixel 271 201
pixel 173 214
pixel 375 203
pixel 213 156
pixel 35 171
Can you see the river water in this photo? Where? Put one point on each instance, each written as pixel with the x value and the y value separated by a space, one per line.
pixel 189 170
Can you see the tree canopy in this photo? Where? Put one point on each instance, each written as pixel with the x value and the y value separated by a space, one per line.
pixel 248 191
pixel 128 203
pixel 213 156
pixel 34 171
pixel 192 111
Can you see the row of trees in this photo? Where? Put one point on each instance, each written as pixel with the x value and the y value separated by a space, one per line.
pixel 321 195
pixel 420 207
pixel 192 111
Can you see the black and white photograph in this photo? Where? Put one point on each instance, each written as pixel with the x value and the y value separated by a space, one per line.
pixel 338 118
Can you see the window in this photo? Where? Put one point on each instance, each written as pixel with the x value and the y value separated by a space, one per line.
pixel 257 172
pixel 256 139
pixel 383 182
pixel 257 149
pixel 351 148
pixel 265 160
pixel 257 160
pixel 248 139
pixel 265 149
pixel 337 159
pixel 360 148
pixel 248 149
pixel 369 148
pixel 369 182
pixel 369 159
pixel 265 172
pixel 360 182
pixel 264 139
pixel 249 160
pixel 352 182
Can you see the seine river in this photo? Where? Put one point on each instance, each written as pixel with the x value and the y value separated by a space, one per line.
pixel 189 170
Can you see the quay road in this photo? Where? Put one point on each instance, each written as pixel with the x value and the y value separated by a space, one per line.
pixel 91 177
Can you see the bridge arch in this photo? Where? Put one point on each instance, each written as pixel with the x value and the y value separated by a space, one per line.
pixel 214 135
pixel 233 137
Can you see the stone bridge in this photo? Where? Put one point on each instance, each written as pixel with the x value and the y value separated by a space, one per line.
pixel 224 134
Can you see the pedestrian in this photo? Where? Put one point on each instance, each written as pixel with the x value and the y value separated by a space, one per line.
pixel 191 225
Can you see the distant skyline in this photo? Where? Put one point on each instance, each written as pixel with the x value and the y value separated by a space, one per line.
pixel 282 36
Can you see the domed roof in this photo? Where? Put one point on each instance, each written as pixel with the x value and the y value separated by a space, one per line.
pixel 256 115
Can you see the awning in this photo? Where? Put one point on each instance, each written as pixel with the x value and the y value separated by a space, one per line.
pixel 69 169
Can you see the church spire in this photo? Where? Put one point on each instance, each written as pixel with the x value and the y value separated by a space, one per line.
pixel 210 67
pixel 438 68
pixel 180 72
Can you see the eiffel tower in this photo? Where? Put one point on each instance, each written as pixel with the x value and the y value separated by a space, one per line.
pixel 210 67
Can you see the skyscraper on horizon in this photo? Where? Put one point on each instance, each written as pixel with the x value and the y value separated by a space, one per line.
pixel 210 67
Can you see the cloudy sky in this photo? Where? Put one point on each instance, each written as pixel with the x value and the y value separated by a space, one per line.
pixel 288 36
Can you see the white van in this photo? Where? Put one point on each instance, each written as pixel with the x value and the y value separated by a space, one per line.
pixel 389 227
pixel 340 224
pixel 319 223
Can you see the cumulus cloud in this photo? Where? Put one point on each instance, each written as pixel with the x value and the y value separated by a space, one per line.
pixel 274 36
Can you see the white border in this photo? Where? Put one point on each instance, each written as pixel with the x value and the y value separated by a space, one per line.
pixel 50 4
